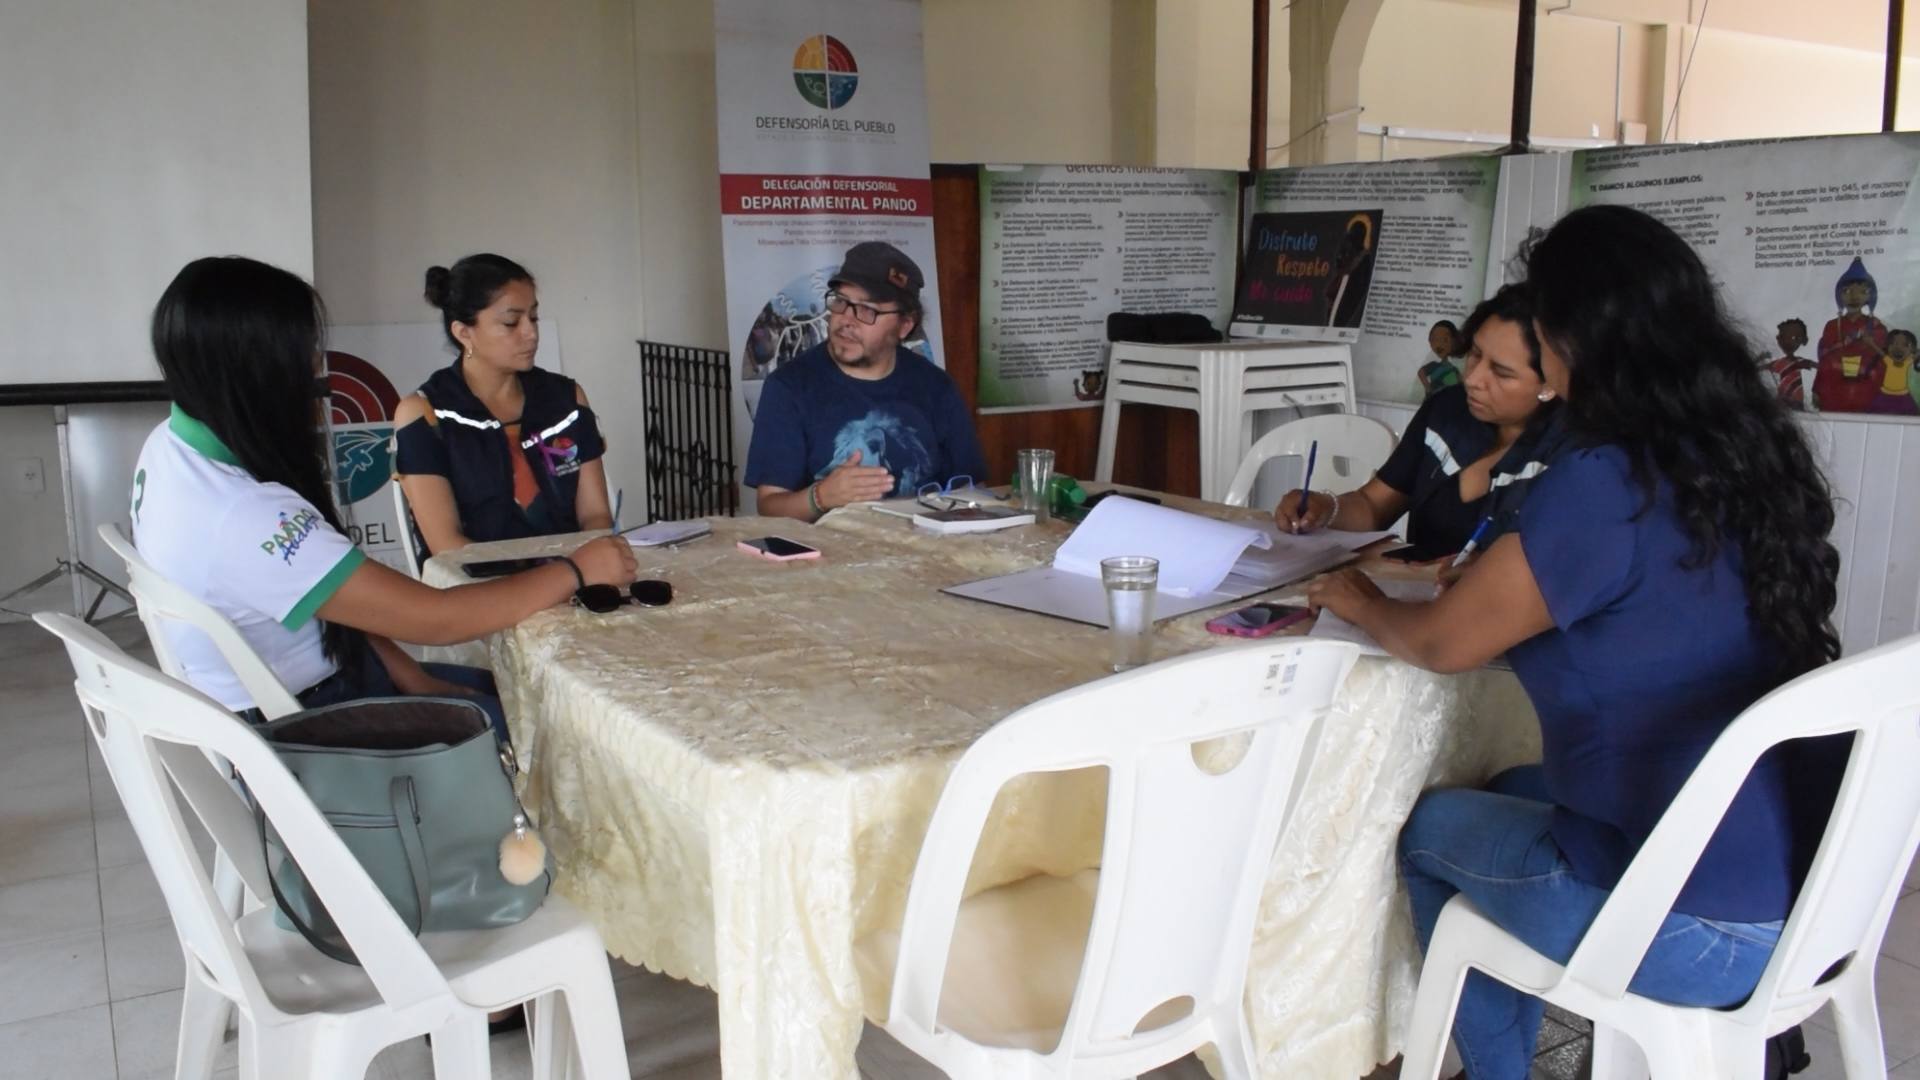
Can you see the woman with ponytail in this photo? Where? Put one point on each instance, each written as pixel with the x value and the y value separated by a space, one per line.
pixel 492 447
pixel 1668 569
pixel 231 502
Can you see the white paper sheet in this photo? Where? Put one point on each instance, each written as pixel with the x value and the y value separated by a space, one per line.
pixel 1329 625
pixel 1049 590
pixel 1195 552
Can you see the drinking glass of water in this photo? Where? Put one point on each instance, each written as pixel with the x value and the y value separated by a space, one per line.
pixel 1130 581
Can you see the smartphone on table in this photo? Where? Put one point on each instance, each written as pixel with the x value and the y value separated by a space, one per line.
pixel 1258 620
pixel 778 548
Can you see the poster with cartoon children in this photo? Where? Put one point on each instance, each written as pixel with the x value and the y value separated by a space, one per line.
pixel 1812 237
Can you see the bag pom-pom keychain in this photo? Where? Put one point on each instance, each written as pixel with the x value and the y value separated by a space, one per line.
pixel 522 856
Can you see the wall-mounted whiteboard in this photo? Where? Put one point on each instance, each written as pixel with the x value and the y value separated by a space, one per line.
pixel 135 136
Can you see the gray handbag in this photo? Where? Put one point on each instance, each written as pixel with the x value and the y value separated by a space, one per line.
pixel 423 796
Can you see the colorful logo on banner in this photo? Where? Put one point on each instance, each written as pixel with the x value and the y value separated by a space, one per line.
pixel 363 402
pixel 824 72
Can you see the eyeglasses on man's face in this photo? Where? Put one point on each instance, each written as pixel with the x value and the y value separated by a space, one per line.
pixel 866 313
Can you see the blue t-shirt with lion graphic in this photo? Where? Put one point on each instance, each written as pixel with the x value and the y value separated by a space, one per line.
pixel 813 416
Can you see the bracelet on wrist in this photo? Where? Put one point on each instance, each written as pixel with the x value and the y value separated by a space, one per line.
pixel 813 499
pixel 1335 512
pixel 578 577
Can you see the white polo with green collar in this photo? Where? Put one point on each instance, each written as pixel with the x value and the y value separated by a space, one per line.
pixel 259 553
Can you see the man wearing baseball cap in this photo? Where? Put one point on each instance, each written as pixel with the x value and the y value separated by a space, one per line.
pixel 860 417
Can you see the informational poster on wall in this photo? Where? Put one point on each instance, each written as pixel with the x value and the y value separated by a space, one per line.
pixel 369 369
pixel 1309 271
pixel 1424 264
pixel 823 145
pixel 1810 241
pixel 1064 246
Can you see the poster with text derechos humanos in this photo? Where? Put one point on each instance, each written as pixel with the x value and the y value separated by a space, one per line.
pixel 1064 246
pixel 823 145
pixel 1810 240
pixel 1426 264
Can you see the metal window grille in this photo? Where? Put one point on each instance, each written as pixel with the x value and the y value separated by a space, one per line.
pixel 689 412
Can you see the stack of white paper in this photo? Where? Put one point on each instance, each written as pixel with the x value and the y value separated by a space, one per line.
pixel 1289 557
pixel 1196 553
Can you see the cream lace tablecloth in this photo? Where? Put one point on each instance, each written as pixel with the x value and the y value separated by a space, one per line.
pixel 735 787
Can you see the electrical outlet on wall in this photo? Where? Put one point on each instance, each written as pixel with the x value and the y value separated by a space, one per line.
pixel 29 475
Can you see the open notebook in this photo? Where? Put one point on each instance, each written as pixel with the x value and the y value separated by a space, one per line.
pixel 1203 562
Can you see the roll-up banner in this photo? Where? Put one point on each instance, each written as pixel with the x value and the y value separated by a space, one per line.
pixel 1810 240
pixel 1064 246
pixel 1374 253
pixel 823 145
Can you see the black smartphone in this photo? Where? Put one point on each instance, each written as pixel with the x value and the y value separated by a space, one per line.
pixel 778 548
pixel 1412 553
pixel 502 567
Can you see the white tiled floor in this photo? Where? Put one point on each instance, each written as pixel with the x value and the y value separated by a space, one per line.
pixel 90 970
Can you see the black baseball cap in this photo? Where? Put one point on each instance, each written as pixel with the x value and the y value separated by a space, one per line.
pixel 884 271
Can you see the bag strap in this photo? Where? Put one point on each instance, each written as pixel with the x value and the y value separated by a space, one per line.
pixel 407 822
pixel 406 818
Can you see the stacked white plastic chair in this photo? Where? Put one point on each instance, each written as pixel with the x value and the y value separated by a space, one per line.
pixel 1830 945
pixel 1190 836
pixel 1352 449
pixel 302 1014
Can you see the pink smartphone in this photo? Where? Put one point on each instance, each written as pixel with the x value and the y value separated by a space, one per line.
pixel 778 548
pixel 1258 620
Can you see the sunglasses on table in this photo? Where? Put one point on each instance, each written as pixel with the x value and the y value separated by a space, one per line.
pixel 601 599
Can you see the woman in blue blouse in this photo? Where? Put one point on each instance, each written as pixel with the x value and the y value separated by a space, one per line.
pixel 1668 570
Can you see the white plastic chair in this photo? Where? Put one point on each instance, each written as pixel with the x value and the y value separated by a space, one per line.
pixel 403 520
pixel 1828 949
pixel 1352 448
pixel 1158 967
pixel 160 600
pixel 304 1015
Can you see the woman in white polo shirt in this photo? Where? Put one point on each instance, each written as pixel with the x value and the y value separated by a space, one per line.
pixel 231 502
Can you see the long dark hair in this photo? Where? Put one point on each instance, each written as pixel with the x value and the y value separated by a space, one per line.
pixel 470 287
pixel 1659 369
pixel 237 340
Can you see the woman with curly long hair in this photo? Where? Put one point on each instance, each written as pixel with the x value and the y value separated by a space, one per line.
pixel 1669 569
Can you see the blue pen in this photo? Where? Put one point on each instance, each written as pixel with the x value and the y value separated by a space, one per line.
pixel 618 498
pixel 1306 485
pixel 1473 541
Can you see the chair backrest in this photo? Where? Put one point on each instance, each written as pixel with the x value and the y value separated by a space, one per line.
pixel 156 735
pixel 403 520
pixel 1187 846
pixel 1863 857
pixel 161 601
pixel 1352 447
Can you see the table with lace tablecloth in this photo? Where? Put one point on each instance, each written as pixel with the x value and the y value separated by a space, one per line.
pixel 735 786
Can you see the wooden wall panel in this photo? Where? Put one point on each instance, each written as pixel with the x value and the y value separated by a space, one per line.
pixel 1159 448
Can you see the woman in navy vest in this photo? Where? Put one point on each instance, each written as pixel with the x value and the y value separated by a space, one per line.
pixel 491 447
pixel 1467 456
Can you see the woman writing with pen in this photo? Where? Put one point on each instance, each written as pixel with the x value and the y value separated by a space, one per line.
pixel 1464 444
pixel 1670 569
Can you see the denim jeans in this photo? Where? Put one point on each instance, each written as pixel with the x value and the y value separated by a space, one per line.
pixel 1494 846
pixel 375 682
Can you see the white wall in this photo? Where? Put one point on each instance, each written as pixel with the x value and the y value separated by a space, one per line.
pixel 446 127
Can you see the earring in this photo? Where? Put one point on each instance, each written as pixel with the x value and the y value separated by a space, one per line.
pixel 469 356
pixel 1544 395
